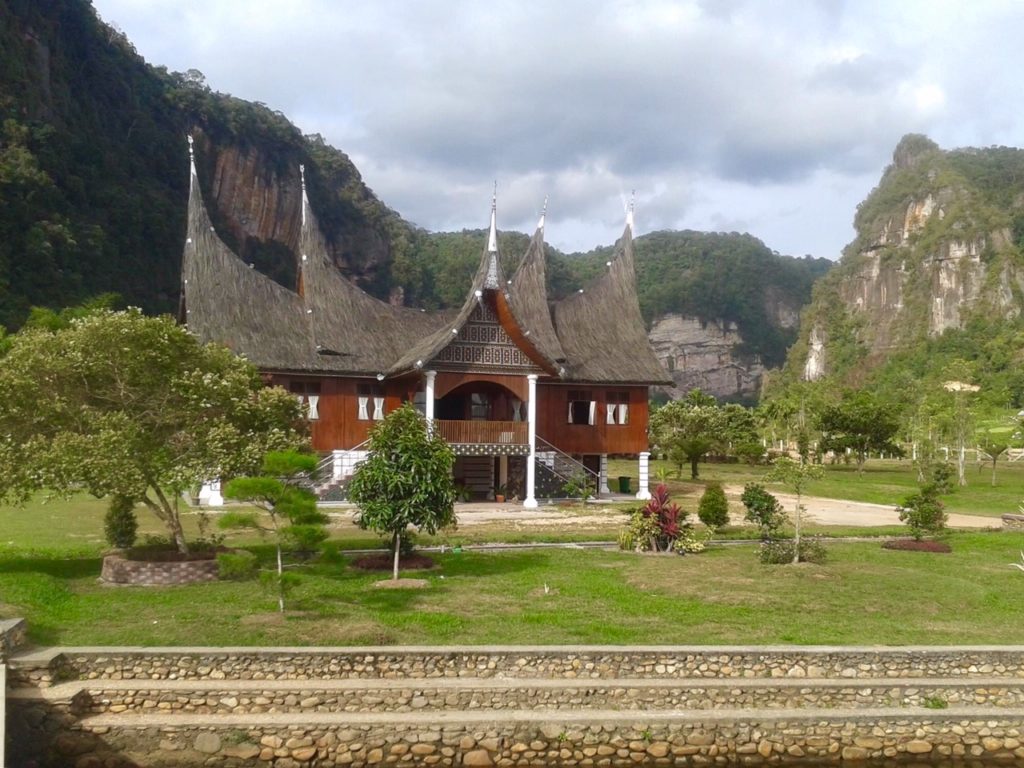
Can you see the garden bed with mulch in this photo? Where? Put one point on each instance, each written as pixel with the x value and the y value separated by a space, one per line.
pixel 916 545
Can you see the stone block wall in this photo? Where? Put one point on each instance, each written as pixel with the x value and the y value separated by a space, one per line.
pixel 118 570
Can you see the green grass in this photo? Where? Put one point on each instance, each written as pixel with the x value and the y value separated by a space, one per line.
pixel 864 595
pixel 882 482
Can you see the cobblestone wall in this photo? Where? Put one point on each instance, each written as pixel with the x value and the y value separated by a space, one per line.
pixel 118 570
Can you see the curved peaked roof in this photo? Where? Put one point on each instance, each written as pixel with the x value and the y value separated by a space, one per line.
pixel 226 301
pixel 528 300
pixel 332 326
pixel 353 331
pixel 601 329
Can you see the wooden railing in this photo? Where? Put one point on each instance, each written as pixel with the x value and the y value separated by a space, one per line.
pixel 490 432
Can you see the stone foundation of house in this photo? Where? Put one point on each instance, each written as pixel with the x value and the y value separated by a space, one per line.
pixel 144 573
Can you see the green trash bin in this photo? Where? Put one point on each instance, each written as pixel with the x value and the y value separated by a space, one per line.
pixel 624 482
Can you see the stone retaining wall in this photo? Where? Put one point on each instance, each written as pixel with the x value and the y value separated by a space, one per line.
pixel 563 663
pixel 560 742
pixel 1012 522
pixel 232 701
pixel 13 635
pixel 145 573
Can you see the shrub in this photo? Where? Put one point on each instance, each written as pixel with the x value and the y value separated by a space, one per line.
pixel 923 512
pixel 119 524
pixel 656 526
pixel 236 566
pixel 763 510
pixel 713 509
pixel 780 551
pixel 944 478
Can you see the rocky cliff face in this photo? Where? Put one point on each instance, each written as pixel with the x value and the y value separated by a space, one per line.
pixel 934 247
pixel 704 355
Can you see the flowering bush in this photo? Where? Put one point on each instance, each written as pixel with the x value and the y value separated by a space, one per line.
pixel 660 526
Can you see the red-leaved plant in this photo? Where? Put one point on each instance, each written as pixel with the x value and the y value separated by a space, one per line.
pixel 666 515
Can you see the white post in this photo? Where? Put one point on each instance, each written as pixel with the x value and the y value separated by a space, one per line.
pixel 209 494
pixel 644 492
pixel 336 464
pixel 602 476
pixel 530 501
pixel 429 397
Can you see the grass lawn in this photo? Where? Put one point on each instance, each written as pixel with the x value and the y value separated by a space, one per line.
pixel 882 482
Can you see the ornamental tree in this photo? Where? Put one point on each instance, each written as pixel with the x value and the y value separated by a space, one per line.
pixel 406 480
pixel 291 514
pixel 797 475
pixel 688 429
pixel 860 423
pixel 118 403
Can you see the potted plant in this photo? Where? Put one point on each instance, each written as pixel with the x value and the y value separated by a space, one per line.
pixel 500 492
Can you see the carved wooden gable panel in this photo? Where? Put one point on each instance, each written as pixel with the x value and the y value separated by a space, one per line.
pixel 482 344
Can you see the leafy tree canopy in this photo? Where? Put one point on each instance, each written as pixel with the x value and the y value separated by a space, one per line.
pixel 120 403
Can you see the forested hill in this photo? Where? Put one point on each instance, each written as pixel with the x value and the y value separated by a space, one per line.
pixel 94 185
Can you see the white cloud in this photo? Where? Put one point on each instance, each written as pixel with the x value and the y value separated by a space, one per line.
pixel 720 113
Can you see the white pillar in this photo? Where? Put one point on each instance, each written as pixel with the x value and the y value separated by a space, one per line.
pixel 602 475
pixel 428 395
pixel 644 492
pixel 210 496
pixel 531 462
pixel 503 470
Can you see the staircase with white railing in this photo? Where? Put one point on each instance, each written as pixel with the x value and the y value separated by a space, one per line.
pixel 335 470
pixel 556 468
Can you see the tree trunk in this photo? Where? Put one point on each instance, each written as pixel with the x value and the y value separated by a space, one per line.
pixel 693 467
pixel 961 460
pixel 280 580
pixel 796 535
pixel 398 546
pixel 163 510
pixel 994 460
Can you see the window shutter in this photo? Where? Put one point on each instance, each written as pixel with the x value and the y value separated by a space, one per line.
pixel 593 412
pixel 623 413
pixel 610 417
pixel 314 406
pixel 363 413
pixel 378 408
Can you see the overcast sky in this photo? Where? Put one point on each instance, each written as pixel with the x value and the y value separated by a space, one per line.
pixel 769 117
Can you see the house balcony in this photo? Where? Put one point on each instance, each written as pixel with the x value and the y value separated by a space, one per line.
pixel 485 438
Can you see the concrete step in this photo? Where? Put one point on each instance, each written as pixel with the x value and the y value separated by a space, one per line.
pixel 504 694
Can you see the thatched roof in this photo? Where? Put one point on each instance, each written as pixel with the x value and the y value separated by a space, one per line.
pixel 601 329
pixel 528 299
pixel 225 300
pixel 332 326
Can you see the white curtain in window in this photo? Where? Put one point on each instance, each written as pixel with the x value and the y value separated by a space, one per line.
pixel 610 417
pixel 314 406
pixel 378 408
pixel 623 413
pixel 593 413
pixel 570 412
pixel 517 412
pixel 364 415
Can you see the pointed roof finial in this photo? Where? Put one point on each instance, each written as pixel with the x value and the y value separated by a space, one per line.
pixel 191 155
pixel 492 237
pixel 629 211
pixel 543 213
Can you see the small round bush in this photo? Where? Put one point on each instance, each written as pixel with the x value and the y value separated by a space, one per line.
pixel 713 509
pixel 763 509
pixel 119 523
pixel 780 551
pixel 237 566
pixel 923 513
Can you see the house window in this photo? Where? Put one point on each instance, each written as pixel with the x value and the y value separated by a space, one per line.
pixel 370 399
pixel 618 408
pixel 582 409
pixel 307 393
pixel 479 406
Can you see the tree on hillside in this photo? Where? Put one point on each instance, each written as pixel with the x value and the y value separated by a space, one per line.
pixel 688 429
pixel 119 403
pixel 861 424
pixel 406 480
pixel 958 413
pixel 290 509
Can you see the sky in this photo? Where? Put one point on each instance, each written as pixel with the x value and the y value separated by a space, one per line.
pixel 773 117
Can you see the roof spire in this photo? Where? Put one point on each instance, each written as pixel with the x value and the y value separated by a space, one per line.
pixel 305 200
pixel 191 156
pixel 629 211
pixel 492 237
pixel 543 213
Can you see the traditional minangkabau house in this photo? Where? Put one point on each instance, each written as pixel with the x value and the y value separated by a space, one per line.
pixel 529 394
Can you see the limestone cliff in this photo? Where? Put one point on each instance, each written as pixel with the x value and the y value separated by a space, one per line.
pixel 937 244
pixel 704 355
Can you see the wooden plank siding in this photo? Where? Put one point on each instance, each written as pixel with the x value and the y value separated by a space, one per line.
pixel 553 424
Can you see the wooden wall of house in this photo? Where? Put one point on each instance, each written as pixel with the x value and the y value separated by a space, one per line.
pixel 553 424
pixel 339 425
